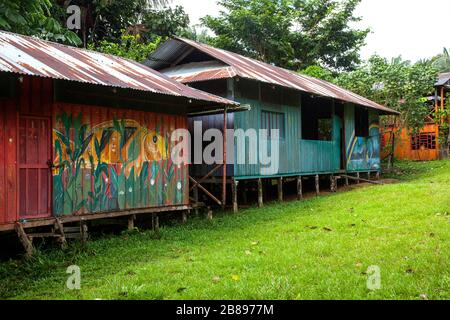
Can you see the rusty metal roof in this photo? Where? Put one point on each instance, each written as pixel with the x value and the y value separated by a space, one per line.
pixel 30 56
pixel 443 79
pixel 237 65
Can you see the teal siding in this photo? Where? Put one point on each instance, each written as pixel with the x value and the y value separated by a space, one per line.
pixel 289 148
pixel 363 153
pixel 297 156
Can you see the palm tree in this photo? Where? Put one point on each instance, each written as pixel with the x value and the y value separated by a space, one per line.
pixel 442 63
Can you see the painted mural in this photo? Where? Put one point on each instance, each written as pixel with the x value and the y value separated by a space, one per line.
pixel 112 160
pixel 363 153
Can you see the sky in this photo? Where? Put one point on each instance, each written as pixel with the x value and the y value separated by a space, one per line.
pixel 414 29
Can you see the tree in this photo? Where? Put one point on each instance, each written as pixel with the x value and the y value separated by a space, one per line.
pixel 104 20
pixel 319 73
pixel 290 33
pixel 442 62
pixel 397 84
pixel 130 46
pixel 34 18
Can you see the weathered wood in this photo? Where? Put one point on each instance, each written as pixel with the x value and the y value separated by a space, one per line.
pixel 131 222
pixel 260 193
pixel 299 188
pixel 368 175
pixel 71 230
pixel 40 222
pixel 155 222
pixel 195 195
pixel 358 180
pixel 280 189
pixel 84 231
pixel 205 178
pixel 234 187
pixel 26 242
pixel 364 180
pixel 59 226
pixel 244 192
pixel 333 184
pixel 224 173
pixel 317 184
pixel 377 176
pixel 184 216
pixel 346 181
pixel 209 214
pixel 209 194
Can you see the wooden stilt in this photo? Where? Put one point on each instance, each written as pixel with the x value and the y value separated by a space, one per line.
pixel 244 192
pixel 195 193
pixel 357 178
pixel 280 189
pixel 234 186
pixel 333 184
pixel 209 215
pixel 131 222
pixel 26 242
pixel 346 181
pixel 155 222
pixel 60 228
pixel 368 175
pixel 378 175
pixel 317 185
pixel 299 188
pixel 260 193
pixel 184 216
pixel 84 231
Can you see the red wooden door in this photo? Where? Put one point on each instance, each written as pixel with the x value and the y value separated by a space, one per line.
pixel 34 173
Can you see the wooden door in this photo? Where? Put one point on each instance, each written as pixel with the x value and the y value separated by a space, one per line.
pixel 34 172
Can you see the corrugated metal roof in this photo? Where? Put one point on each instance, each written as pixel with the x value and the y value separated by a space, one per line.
pixel 30 56
pixel 443 79
pixel 245 67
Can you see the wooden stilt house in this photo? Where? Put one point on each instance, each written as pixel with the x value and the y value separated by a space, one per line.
pixel 85 135
pixel 324 129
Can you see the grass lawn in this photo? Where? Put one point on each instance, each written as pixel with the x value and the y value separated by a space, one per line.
pixel 319 248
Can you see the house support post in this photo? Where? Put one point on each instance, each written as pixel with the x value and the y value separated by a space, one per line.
pixel 280 189
pixel 333 184
pixel 357 178
pixel 260 193
pixel 224 177
pixel 131 222
pixel 317 185
pixel 299 188
pixel 234 186
pixel 26 242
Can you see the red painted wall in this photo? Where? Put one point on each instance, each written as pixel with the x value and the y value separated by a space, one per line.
pixel 23 163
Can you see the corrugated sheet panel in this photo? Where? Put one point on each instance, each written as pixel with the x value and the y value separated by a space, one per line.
pixel 256 70
pixel 443 79
pixel 34 57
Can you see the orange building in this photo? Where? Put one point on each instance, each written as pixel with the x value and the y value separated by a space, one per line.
pixel 423 146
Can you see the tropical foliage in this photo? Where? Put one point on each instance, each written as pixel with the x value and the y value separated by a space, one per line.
pixel 398 84
pixel 290 33
pixel 442 61
pixel 129 46
pixel 34 18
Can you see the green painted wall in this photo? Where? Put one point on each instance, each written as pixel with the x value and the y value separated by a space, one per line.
pixel 297 156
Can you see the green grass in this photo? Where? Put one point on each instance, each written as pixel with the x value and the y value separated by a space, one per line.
pixel 319 248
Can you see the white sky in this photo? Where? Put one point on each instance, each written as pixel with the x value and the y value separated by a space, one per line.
pixel 414 29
